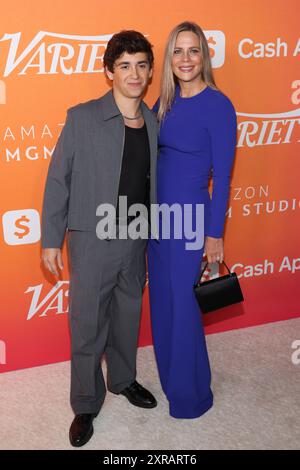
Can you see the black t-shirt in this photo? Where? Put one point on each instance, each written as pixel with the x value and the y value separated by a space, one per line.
pixel 135 166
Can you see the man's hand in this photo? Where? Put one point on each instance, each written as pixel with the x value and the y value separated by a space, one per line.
pixel 52 258
pixel 214 249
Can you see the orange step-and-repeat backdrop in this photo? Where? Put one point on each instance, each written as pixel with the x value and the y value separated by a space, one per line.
pixel 51 58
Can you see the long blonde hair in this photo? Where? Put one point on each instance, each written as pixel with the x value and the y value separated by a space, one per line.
pixel 168 80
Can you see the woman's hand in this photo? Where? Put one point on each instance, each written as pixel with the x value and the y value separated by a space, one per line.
pixel 214 249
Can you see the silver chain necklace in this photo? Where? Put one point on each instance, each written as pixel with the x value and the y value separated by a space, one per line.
pixel 132 118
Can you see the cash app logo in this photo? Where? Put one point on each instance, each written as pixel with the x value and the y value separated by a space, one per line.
pixel 21 227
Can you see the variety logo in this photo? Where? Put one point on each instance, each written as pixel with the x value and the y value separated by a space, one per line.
pixel 45 55
pixel 52 53
pixel 268 129
pixel 56 300
pixel 53 302
pixel 21 227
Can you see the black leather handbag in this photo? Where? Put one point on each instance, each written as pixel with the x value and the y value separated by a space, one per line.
pixel 218 293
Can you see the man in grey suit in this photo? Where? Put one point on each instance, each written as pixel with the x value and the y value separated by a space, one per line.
pixel 107 149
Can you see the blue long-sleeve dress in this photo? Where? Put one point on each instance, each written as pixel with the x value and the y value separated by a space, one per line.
pixel 197 137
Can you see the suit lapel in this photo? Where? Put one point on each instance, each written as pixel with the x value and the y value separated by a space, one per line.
pixel 152 135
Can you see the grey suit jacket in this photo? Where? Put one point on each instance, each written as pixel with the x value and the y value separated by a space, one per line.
pixel 86 165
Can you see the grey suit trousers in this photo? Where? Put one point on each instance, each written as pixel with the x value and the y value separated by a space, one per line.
pixel 106 285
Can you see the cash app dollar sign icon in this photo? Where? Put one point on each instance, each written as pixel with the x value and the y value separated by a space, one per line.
pixel 212 42
pixel 21 224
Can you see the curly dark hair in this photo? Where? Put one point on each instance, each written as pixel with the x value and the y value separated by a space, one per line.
pixel 126 41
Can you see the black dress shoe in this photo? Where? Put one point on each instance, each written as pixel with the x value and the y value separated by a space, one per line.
pixel 139 396
pixel 81 429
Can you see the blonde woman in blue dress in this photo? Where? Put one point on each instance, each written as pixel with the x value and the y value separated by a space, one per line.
pixel 197 137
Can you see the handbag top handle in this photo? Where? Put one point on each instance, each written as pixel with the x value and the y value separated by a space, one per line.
pixel 199 280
